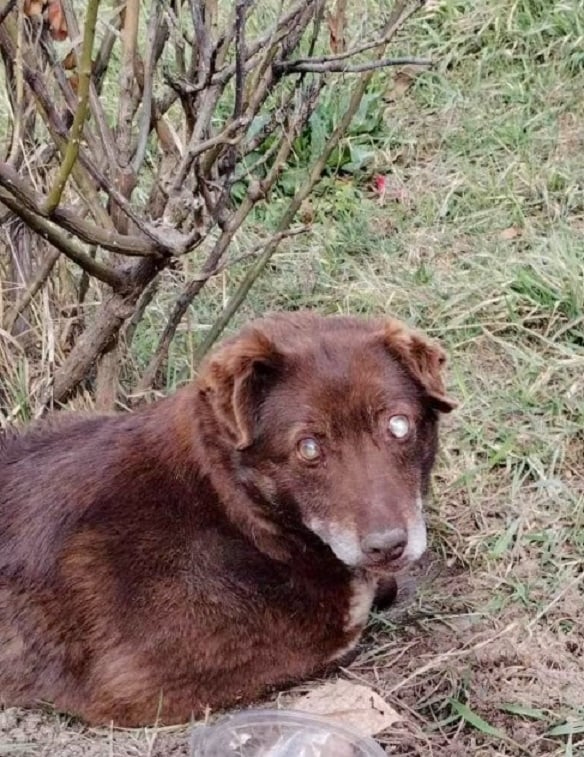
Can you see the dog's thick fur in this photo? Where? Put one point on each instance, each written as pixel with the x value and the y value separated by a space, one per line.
pixel 187 556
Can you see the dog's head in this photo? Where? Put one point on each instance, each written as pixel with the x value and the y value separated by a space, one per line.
pixel 332 422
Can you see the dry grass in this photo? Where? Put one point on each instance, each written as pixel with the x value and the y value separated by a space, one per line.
pixel 485 249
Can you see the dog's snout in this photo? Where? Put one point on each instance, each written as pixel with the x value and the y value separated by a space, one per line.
pixel 386 545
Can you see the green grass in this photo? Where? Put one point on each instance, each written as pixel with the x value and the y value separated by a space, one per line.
pixel 485 252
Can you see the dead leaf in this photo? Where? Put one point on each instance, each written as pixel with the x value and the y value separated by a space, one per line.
pixel 57 22
pixel 33 7
pixel 402 81
pixel 337 22
pixel 511 233
pixel 351 704
pixel 69 62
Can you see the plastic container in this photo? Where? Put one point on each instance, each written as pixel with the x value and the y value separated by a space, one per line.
pixel 280 733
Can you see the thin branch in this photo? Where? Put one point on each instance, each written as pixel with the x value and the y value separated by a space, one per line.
pixel 202 35
pixel 239 56
pixel 145 121
pixel 292 20
pixel 226 137
pixel 41 276
pixel 72 150
pixel 8 8
pixel 288 67
pixel 257 191
pixel 103 129
pixel 19 89
pixel 251 253
pixel 126 81
pixel 402 11
pixel 68 219
pixel 103 56
pixel 350 53
pixel 69 247
pixel 145 299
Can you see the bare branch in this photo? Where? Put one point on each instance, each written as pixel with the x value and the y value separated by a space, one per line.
pixel 106 196
pixel 103 56
pixel 97 112
pixel 125 110
pixel 19 89
pixel 317 67
pixel 257 191
pixel 401 12
pixel 41 276
pixel 69 247
pixel 72 150
pixel 68 219
pixel 8 8
pixel 251 253
pixel 145 122
pixel 239 56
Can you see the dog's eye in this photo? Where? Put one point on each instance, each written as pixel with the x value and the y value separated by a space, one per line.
pixel 309 450
pixel 399 426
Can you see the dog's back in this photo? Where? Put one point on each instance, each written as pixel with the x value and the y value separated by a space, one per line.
pixel 221 541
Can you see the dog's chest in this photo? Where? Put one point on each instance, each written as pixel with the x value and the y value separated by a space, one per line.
pixel 356 612
pixel 360 601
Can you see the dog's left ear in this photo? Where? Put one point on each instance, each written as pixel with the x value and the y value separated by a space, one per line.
pixel 422 358
pixel 234 379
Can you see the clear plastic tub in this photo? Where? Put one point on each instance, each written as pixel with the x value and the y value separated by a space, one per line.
pixel 280 733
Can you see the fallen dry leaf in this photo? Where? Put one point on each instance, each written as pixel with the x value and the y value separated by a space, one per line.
pixel 33 7
pixel 402 81
pixel 350 704
pixel 511 233
pixel 337 22
pixel 57 22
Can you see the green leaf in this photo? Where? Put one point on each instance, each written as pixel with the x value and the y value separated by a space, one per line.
pixel 523 711
pixel 504 541
pixel 475 720
pixel 567 729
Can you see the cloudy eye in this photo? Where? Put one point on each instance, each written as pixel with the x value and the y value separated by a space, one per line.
pixel 399 426
pixel 309 450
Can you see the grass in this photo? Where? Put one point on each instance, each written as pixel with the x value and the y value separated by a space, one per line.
pixel 484 249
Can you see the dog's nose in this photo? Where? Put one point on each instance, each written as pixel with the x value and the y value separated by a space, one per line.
pixel 385 545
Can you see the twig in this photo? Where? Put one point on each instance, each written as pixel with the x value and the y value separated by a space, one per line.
pixel 19 87
pixel 251 253
pixel 317 67
pixel 8 8
pixel 256 192
pixel 145 121
pixel 145 299
pixel 402 11
pixel 239 56
pixel 223 138
pixel 103 129
pixel 85 230
pixel 42 274
pixel 125 111
pixel 103 56
pixel 350 53
pixel 72 150
pixel 266 248
pixel 544 611
pixel 69 247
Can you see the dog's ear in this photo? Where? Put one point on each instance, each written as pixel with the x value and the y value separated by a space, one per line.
pixel 234 379
pixel 422 358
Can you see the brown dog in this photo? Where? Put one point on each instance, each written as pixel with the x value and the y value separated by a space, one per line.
pixel 222 541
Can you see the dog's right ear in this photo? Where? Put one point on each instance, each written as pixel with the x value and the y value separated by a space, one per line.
pixel 235 377
pixel 423 358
